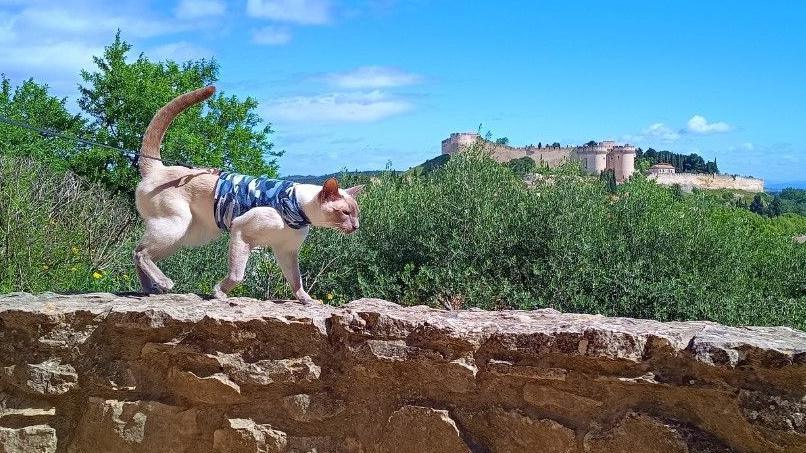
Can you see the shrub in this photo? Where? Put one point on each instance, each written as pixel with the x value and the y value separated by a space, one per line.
pixel 471 234
pixel 59 233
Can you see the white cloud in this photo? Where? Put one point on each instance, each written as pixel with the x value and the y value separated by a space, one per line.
pixel 272 36
pixel 51 40
pixel 746 146
pixel 337 107
pixel 179 51
pixel 699 125
pixel 49 56
pixel 660 131
pixel 373 77
pixel 306 12
pixel 194 9
pixel 93 21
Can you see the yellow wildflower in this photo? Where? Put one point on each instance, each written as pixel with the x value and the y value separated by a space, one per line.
pixel 96 275
pixel 73 269
pixel 329 296
pixel 75 250
pixel 45 267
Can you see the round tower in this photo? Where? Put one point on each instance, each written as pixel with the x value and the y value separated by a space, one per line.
pixel 594 158
pixel 624 164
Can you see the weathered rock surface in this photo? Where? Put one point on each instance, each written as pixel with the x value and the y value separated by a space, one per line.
pixel 176 373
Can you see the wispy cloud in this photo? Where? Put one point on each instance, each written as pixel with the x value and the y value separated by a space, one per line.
pixel 51 40
pixel 746 146
pixel 358 107
pixel 661 131
pixel 194 9
pixel 91 21
pixel 372 77
pixel 180 51
pixel 699 125
pixel 304 12
pixel 271 35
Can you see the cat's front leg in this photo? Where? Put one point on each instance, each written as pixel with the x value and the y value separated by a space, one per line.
pixel 289 263
pixel 239 251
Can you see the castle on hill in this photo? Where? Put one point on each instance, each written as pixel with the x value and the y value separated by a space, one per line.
pixel 598 157
pixel 606 155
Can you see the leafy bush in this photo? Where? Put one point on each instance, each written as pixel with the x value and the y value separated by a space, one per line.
pixel 467 234
pixel 59 234
pixel 471 234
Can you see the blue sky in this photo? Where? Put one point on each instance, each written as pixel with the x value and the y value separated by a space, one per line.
pixel 354 84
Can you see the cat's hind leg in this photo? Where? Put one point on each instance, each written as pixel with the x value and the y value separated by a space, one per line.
pixel 162 238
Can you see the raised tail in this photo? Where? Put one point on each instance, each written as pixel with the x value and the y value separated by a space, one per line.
pixel 150 150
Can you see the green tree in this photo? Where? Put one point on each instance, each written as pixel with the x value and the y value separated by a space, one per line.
pixel 609 178
pixel 522 166
pixel 31 103
pixel 774 209
pixel 757 205
pixel 121 96
pixel 502 141
pixel 642 165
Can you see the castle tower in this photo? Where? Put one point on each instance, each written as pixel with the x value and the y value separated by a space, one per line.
pixel 622 161
pixel 458 140
pixel 594 158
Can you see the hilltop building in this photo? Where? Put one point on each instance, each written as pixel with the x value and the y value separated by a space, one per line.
pixel 662 169
pixel 595 159
pixel 605 155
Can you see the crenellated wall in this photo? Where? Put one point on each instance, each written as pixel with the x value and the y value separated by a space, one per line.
pixel 103 373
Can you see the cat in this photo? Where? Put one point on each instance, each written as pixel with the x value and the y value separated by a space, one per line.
pixel 189 207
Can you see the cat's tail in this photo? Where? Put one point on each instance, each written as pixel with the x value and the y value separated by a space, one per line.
pixel 152 139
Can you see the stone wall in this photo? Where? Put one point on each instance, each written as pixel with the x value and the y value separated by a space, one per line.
pixel 688 181
pixel 102 373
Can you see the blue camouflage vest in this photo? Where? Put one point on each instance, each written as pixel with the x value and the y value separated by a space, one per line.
pixel 235 194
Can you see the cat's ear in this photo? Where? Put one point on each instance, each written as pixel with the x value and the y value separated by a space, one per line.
pixel 330 191
pixel 355 190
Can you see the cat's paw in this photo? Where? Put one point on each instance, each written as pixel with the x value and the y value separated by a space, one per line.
pixel 305 299
pixel 218 294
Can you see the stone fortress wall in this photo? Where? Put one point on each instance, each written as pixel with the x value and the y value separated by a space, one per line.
pixel 688 181
pixel 99 373
pixel 595 159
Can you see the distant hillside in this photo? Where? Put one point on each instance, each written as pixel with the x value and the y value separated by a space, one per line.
pixel 320 179
pixel 429 165
pixel 421 169
pixel 779 186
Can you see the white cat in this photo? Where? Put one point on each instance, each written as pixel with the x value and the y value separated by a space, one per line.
pixel 187 207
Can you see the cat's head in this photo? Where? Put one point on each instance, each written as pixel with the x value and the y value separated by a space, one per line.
pixel 339 208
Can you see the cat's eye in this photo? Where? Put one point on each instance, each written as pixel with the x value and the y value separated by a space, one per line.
pixel 347 213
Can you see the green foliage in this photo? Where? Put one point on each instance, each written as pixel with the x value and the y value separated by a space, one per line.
pixel 502 141
pixel 793 201
pixel 121 96
pixel 693 163
pixel 757 206
pixel 31 103
pixel 471 234
pixel 59 234
pixel 522 166
pixel 608 177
